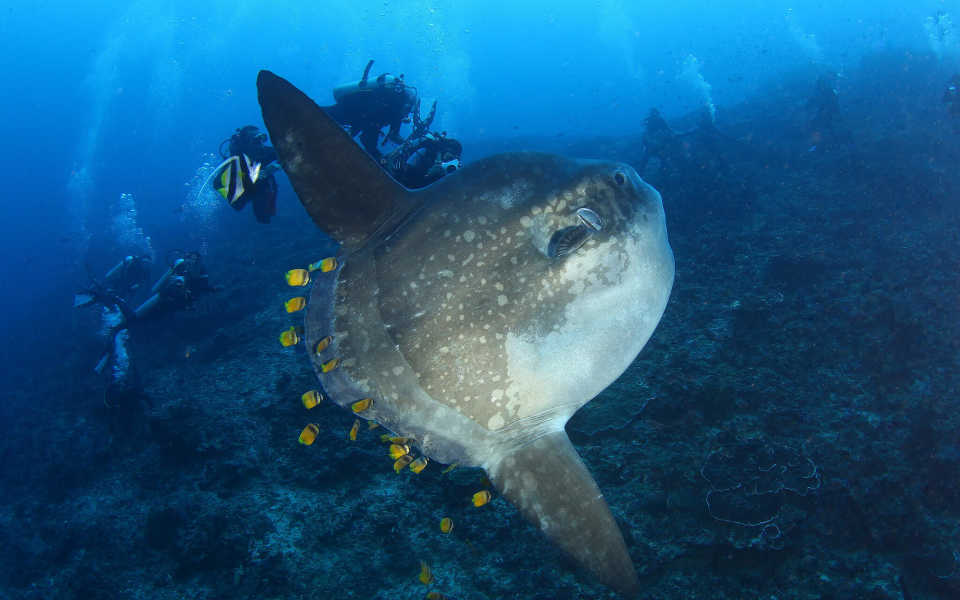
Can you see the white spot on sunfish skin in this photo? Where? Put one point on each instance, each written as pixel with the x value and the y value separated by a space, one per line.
pixel 398 371
pixel 468 235
pixel 502 300
pixel 495 422
pixel 529 482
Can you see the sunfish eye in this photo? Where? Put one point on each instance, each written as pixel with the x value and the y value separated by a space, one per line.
pixel 567 240
pixel 590 219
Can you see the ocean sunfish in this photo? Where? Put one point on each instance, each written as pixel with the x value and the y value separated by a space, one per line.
pixel 480 313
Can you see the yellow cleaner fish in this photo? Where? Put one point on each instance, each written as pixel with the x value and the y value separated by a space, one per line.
pixel 295 304
pixel 401 463
pixel 426 575
pixel 297 277
pixel 290 337
pixel 481 498
pixel 353 431
pixel 311 398
pixel 446 525
pixel 309 434
pixel 324 265
pixel 419 465
pixel 361 405
pixel 398 450
pixel 323 344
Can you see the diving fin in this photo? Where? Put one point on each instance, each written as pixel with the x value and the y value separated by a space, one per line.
pixel 83 299
pixel 102 363
pixel 345 191
pixel 552 488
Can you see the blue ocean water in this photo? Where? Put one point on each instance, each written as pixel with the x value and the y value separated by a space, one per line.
pixel 95 85
pixel 813 319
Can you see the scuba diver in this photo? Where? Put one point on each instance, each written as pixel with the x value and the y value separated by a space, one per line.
pixel 951 96
pixel 825 105
pixel 184 281
pixel 661 142
pixel 112 292
pixel 425 156
pixel 122 380
pixel 123 279
pixel 246 174
pixel 129 274
pixel 366 107
pixel 420 161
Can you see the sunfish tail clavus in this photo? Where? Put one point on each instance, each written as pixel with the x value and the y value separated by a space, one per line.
pixel 480 313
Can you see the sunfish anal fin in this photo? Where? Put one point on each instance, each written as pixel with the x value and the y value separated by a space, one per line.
pixel 345 191
pixel 548 482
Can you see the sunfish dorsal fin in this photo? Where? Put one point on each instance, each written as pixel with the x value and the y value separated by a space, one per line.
pixel 552 488
pixel 345 192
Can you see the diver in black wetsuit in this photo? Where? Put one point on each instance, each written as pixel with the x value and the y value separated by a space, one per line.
pixel 123 279
pixel 366 107
pixel 176 290
pixel 248 141
pixel 251 141
pixel 424 156
pixel 112 291
pixel 661 142
pixel 825 105
pixel 418 162
pixel 184 281
pixel 129 274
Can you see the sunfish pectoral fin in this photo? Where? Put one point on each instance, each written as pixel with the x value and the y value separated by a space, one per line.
pixel 552 488
pixel 343 189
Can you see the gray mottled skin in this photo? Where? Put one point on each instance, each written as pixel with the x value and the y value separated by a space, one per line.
pixel 468 337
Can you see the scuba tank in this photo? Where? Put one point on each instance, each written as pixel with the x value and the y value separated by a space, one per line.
pixel 177 268
pixel 385 81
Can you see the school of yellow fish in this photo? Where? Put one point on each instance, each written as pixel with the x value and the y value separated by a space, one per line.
pixel 399 448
